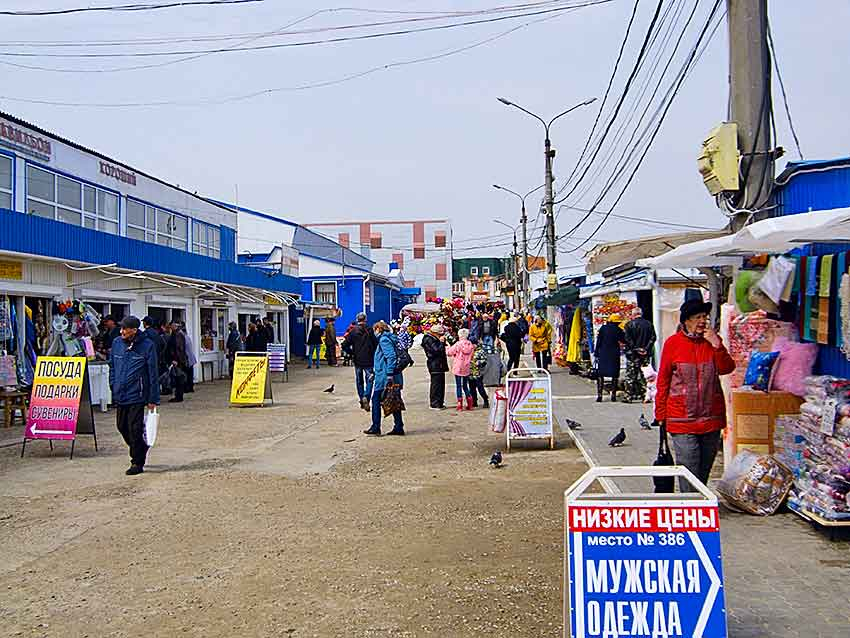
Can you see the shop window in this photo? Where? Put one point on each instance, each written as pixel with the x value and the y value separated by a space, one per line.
pixel 440 272
pixel 70 201
pixel 375 240
pixel 419 251
pixel 206 239
pixel 324 292
pixel 156 225
pixel 440 239
pixel 6 182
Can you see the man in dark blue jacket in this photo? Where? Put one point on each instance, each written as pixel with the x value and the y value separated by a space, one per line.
pixel 134 379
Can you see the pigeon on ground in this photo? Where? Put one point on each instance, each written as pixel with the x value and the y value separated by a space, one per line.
pixel 496 460
pixel 329 390
pixel 573 425
pixel 644 424
pixel 618 439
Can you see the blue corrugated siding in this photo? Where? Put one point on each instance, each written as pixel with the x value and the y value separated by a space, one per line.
pixel 382 311
pixel 349 297
pixel 228 243
pixel 37 236
pixel 819 191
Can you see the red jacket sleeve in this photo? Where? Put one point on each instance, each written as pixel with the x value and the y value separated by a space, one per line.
pixel 723 361
pixel 662 381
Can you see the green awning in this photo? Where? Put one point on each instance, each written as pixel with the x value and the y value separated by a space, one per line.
pixel 562 296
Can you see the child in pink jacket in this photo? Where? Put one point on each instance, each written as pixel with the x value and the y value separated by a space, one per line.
pixel 462 352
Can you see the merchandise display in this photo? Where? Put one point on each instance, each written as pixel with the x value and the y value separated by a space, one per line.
pixel 816 447
pixel 760 369
pixel 755 483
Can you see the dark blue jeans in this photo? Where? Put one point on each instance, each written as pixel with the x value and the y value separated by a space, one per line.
pixel 377 413
pixel 364 377
pixel 462 387
pixel 311 353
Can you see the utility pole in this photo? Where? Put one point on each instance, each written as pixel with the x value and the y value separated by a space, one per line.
pixel 516 266
pixel 750 103
pixel 549 153
pixel 526 297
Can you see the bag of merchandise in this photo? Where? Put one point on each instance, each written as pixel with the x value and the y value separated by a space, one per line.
pixel 755 483
pixel 499 412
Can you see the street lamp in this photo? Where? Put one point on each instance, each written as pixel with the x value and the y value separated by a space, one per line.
pixel 523 220
pixel 549 155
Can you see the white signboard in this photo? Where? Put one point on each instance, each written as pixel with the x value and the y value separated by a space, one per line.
pixel 529 392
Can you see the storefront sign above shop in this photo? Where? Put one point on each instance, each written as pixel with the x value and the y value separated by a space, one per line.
pixel 13 270
pixel 18 139
pixel 122 175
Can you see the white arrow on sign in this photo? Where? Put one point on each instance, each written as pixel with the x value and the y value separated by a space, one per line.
pixel 35 430
pixel 711 596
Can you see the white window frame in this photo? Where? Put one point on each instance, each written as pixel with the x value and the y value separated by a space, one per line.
pixel 206 239
pixel 485 271
pixel 316 294
pixel 11 190
pixel 151 230
pixel 94 219
pixel 473 271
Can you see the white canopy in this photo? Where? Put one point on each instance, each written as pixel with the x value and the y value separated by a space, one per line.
pixel 614 253
pixel 774 235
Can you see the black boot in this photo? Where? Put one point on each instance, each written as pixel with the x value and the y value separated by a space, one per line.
pixel 613 396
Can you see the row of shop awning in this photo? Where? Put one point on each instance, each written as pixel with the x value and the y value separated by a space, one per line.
pixel 170 284
pixel 774 235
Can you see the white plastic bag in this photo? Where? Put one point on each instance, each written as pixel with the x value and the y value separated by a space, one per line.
pixel 151 426
pixel 498 412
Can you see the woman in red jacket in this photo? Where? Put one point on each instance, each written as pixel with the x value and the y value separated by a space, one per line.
pixel 689 400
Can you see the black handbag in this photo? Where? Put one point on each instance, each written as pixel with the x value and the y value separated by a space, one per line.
pixel 663 484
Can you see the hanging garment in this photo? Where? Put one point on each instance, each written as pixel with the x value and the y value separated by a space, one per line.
pixel 840 270
pixel 825 275
pixel 834 283
pixel 844 302
pixel 812 276
pixel 574 345
pixel 802 269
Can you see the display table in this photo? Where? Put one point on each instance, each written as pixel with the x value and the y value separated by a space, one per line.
pixel 211 364
pixel 13 401
pixel 754 417
pixel 101 393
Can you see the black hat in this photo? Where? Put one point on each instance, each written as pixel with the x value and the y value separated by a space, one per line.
pixel 147 320
pixel 130 322
pixel 693 307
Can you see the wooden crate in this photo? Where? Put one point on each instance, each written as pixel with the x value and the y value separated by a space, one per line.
pixel 754 417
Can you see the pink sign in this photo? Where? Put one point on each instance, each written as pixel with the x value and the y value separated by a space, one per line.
pixel 55 402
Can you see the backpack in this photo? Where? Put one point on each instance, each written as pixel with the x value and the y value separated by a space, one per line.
pixel 403 358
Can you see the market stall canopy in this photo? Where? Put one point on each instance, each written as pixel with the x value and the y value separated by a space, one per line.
pixel 605 256
pixel 562 297
pixel 427 308
pixel 641 280
pixel 775 235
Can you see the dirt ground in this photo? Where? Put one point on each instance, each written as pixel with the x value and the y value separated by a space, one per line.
pixel 286 521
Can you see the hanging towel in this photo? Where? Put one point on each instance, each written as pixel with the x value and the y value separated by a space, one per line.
pixel 825 275
pixel 802 273
pixel 823 320
pixel 812 276
pixel 840 270
pixel 788 291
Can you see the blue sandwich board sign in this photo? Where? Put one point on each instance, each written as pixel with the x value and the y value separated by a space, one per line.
pixel 643 569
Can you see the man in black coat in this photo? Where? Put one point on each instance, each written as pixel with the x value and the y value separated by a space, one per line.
pixel 512 338
pixel 640 339
pixel 609 338
pixel 361 344
pixel 434 345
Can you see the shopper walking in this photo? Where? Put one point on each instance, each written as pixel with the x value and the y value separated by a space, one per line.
pixel 233 345
pixel 489 330
pixel 155 334
pixel 330 342
pixel 640 339
pixel 461 351
pixel 361 343
pixel 434 345
pixel 477 365
pixel 268 331
pixel 134 380
pixel 689 400
pixel 609 340
pixel 384 365
pixel 255 340
pixel 314 344
pixel 540 335
pixel 175 354
pixel 512 338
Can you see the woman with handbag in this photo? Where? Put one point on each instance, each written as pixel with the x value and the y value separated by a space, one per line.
pixel 388 382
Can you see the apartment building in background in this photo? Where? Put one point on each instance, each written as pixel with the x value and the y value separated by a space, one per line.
pixel 420 248
pixel 481 279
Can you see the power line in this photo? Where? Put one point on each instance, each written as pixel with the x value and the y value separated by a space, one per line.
pixel 302 87
pixel 784 94
pixel 124 7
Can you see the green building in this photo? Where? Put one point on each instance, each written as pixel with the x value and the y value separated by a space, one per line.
pixel 479 279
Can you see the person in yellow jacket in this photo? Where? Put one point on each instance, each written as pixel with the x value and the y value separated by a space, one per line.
pixel 540 335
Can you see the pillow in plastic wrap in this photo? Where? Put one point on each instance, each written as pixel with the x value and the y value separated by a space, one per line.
pixel 755 483
pixel 759 370
pixel 795 363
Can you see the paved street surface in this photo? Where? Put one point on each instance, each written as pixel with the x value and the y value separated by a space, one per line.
pixel 286 521
pixel 783 579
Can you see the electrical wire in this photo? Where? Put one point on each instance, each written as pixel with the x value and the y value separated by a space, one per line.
pixel 303 87
pixel 784 94
pixel 124 7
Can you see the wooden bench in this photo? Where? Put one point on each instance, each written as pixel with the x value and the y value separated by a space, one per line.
pixel 13 400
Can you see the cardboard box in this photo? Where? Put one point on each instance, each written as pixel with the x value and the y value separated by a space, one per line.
pixel 754 417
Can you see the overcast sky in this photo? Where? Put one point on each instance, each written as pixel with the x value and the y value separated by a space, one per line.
pixel 417 141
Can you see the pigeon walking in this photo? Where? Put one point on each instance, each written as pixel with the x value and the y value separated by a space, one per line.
pixel 496 460
pixel 644 424
pixel 329 390
pixel 573 425
pixel 618 439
